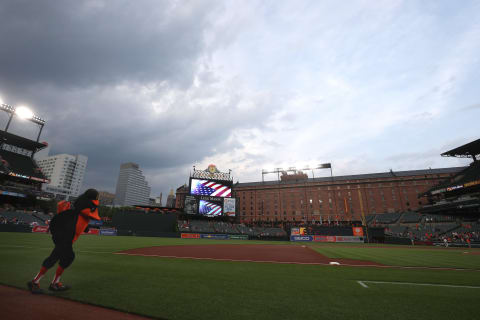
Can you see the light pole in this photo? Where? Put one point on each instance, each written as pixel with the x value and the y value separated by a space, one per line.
pixel 23 113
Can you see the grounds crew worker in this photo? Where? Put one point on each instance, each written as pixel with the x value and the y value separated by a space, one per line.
pixel 65 228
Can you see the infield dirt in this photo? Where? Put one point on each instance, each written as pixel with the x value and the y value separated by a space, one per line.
pixel 250 253
pixel 21 304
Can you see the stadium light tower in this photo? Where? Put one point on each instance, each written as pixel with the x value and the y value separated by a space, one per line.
pixel 276 170
pixel 23 113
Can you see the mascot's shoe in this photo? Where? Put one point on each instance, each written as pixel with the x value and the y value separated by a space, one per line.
pixel 34 287
pixel 58 287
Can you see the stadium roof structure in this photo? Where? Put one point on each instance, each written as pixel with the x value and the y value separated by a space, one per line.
pixel 469 150
pixel 466 206
pixel 18 141
pixel 463 181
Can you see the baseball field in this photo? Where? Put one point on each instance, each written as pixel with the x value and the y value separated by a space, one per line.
pixel 215 279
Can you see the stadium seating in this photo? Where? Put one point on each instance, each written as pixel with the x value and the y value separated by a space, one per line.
pixel 438 218
pixel 41 216
pixel 183 226
pixel 221 227
pixel 224 227
pixel 243 229
pixel 387 218
pixel 410 217
pixel 21 218
pixel 274 232
pixel 397 230
pixel 201 226
pixel 370 218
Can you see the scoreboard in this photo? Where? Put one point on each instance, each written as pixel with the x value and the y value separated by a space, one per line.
pixel 210 198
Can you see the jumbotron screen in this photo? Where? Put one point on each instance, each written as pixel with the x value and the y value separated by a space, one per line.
pixel 211 188
pixel 210 208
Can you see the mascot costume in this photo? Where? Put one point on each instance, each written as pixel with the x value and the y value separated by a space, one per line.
pixel 69 223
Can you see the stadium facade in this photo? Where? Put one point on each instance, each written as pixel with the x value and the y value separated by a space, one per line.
pixel 297 198
pixel 65 173
pixel 132 188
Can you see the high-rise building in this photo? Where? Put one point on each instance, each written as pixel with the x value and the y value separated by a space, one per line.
pixel 106 198
pixel 65 173
pixel 157 201
pixel 171 200
pixel 132 189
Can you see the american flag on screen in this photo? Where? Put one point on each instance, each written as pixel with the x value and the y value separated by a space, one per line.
pixel 210 188
pixel 209 208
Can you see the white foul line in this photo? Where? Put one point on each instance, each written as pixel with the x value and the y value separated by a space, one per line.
pixel 362 283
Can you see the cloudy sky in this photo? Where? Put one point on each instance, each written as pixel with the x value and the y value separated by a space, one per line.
pixel 247 85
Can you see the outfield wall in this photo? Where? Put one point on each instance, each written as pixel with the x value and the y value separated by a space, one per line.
pixel 214 236
pixel 145 223
pixel 343 239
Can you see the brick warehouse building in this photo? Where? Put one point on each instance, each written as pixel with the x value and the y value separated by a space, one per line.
pixel 340 198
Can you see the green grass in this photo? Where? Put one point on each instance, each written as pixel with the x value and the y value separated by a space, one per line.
pixel 405 255
pixel 202 289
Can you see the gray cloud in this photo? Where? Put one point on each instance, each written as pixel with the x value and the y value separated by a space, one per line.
pixel 471 107
pixel 85 67
pixel 113 126
pixel 84 43
pixel 169 84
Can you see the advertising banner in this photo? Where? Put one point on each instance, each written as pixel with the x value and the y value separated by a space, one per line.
pixel 357 231
pixel 214 236
pixel 92 231
pixel 43 229
pixel 190 236
pixel 191 205
pixel 108 232
pixel 238 237
pixel 324 238
pixel 471 183
pixel 229 207
pixel 337 239
pixel 298 231
pixel 14 194
pixel 95 223
pixel 301 238
pixel 349 239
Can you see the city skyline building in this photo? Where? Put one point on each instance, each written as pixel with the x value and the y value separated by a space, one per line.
pixel 106 198
pixel 65 173
pixel 132 188
pixel 170 200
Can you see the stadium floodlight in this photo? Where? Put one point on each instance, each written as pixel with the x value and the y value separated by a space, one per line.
pixel 24 113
